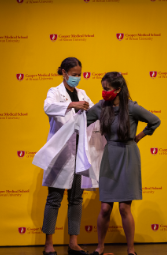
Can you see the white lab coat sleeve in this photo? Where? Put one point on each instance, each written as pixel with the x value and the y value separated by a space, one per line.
pixel 49 153
pixel 54 105
pixel 83 159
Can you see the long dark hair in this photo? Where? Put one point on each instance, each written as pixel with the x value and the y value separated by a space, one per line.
pixel 68 63
pixel 116 80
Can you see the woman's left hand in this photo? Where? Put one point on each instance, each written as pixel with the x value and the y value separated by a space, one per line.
pixel 139 137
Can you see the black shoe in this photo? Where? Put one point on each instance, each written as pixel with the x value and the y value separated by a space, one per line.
pixel 132 253
pixel 96 253
pixel 50 253
pixel 74 252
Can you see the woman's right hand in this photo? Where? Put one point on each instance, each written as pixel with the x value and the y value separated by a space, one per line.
pixel 81 105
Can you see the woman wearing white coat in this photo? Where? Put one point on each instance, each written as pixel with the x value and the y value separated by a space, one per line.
pixel 61 104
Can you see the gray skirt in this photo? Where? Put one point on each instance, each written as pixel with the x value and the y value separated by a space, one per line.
pixel 120 172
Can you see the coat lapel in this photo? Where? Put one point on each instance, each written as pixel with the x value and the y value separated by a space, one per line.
pixel 63 93
pixel 80 95
pixel 65 96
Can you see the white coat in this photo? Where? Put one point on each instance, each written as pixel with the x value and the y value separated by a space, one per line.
pixel 89 152
pixel 55 106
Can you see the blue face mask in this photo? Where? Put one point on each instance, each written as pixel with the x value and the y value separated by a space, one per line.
pixel 73 81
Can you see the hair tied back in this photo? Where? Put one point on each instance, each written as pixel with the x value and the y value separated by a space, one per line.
pixel 59 70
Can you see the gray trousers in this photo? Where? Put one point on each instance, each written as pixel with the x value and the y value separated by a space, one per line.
pixel 53 203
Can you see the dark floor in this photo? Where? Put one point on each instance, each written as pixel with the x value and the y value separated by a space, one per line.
pixel 142 249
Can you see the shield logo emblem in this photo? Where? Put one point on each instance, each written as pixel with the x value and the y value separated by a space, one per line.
pixel 154 151
pixel 120 36
pixel 88 228
pixel 86 75
pixel 153 74
pixel 22 230
pixel 20 154
pixel 20 1
pixel 53 37
pixel 20 76
pixel 155 227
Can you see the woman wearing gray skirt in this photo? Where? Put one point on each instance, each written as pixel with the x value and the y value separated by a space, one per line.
pixel 120 171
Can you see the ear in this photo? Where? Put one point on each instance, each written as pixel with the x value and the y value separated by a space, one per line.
pixel 118 90
pixel 65 76
pixel 63 72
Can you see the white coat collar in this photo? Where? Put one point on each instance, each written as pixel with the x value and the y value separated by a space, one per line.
pixel 63 92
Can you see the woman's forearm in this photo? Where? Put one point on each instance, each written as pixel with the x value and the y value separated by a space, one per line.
pixel 139 137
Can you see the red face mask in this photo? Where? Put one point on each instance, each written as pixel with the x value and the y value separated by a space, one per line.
pixel 109 95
